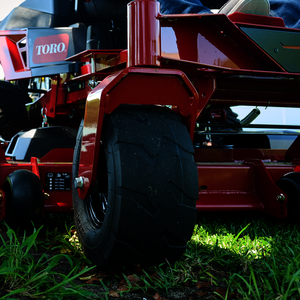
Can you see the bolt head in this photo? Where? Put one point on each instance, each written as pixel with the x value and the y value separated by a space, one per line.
pixel 280 198
pixel 78 182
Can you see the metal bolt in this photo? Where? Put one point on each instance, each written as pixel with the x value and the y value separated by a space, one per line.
pixel 92 83
pixel 79 182
pixel 280 198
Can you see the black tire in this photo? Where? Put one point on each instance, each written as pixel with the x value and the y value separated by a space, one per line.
pixel 24 198
pixel 13 114
pixel 142 209
pixel 290 184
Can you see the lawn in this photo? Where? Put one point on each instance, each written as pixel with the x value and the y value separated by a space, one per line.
pixel 230 256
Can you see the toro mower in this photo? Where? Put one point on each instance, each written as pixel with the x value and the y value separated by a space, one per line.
pixel 124 115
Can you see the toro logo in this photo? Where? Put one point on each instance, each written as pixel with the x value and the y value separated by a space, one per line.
pixel 50 48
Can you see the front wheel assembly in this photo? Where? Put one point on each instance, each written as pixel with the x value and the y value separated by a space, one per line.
pixel 142 208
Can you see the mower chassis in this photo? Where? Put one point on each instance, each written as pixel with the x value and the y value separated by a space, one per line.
pixel 186 63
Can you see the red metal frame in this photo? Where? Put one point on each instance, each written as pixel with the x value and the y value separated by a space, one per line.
pixel 248 185
pixel 186 62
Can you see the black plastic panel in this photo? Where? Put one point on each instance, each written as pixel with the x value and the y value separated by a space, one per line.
pixel 283 46
pixel 38 142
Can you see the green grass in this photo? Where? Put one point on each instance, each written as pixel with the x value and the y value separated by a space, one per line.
pixel 253 256
pixel 26 275
pixel 230 256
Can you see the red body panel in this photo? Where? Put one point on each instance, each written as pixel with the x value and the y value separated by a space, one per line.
pixel 241 186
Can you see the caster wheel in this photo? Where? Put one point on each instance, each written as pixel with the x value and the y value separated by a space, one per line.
pixel 24 198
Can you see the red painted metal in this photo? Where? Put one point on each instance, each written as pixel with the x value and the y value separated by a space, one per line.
pixel 267 189
pixel 241 18
pixel 249 185
pixel 35 167
pixel 144 37
pixel 221 154
pixel 2 156
pixel 58 156
pixel 108 57
pixel 211 40
pixel 99 61
pixel 51 106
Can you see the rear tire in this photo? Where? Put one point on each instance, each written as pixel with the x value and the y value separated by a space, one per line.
pixel 142 209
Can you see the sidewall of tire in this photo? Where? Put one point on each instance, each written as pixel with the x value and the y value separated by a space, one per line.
pixel 94 240
pixel 290 184
pixel 24 198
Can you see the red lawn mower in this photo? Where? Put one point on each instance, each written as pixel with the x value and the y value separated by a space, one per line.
pixel 129 121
